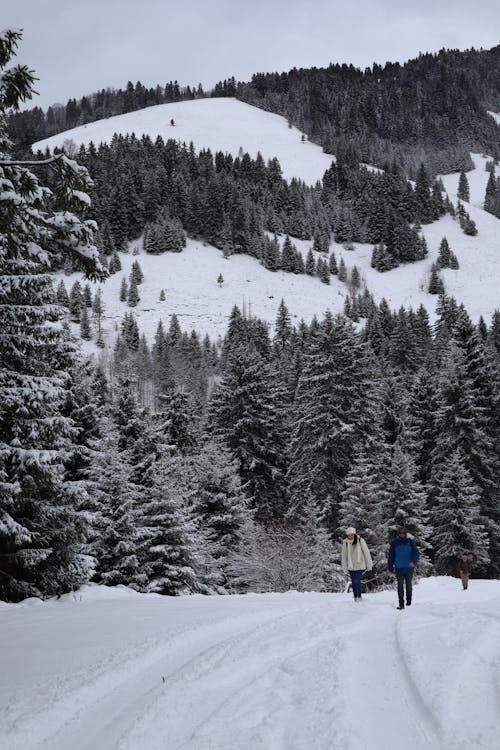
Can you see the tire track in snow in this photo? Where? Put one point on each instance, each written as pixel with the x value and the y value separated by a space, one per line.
pixel 291 711
pixel 110 693
pixel 476 661
pixel 381 699
pixel 113 709
pixel 429 726
pixel 251 691
pixel 463 655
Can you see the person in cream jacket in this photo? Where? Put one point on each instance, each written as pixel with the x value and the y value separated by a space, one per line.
pixel 356 559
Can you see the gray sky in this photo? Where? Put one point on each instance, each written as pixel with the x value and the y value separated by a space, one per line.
pixel 79 46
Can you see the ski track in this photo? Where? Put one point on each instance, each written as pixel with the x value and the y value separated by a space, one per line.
pixel 312 672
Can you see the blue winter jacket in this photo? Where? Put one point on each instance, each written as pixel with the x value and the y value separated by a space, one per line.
pixel 402 552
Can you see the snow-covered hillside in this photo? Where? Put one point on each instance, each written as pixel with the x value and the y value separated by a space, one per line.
pixel 108 668
pixel 190 278
pixel 219 124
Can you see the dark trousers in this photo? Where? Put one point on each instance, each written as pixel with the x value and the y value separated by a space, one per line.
pixel 356 576
pixel 404 579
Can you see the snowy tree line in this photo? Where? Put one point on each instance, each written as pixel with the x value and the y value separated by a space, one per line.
pixel 199 468
pixel 431 109
pixel 162 188
pixel 33 125
pixel 325 427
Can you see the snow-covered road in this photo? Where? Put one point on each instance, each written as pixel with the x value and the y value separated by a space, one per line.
pixel 113 669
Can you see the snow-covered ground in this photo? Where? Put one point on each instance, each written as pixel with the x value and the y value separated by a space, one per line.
pixel 189 280
pixel 108 668
pixel 223 124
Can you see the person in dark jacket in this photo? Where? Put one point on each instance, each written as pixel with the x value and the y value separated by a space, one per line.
pixel 403 557
pixel 464 569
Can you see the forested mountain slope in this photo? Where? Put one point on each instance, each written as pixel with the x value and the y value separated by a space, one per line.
pixel 432 108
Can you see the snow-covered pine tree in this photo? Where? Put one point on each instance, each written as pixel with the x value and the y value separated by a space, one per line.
pixel 163 379
pixel 420 425
pixel 283 328
pixel 310 266
pixel 342 272
pixel 115 263
pixel 98 312
pixel 40 528
pixel 168 542
pixel 483 379
pixel 323 270
pixel 436 285
pixel 355 279
pixel 76 301
pixel 176 422
pixel 463 191
pixel 87 295
pixel 62 296
pixel 333 414
pixel 115 545
pixel 456 519
pixel 462 423
pixel 247 415
pixel 174 330
pixel 83 405
pixel 444 256
pixel 288 255
pixel 220 507
pixel 136 273
pixel 490 197
pixel 133 293
pixel 85 324
pixel 130 332
pixel 423 197
pixel 226 238
pixel 123 290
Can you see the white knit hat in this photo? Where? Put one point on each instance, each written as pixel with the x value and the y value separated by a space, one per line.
pixel 350 530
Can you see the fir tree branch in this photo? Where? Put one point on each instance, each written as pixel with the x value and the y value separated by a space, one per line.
pixel 37 163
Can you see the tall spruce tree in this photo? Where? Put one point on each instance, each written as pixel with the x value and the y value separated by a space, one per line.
pixel 463 191
pixel 333 417
pixel 167 540
pixel 41 531
pixel 246 413
pixel 220 507
pixel 456 519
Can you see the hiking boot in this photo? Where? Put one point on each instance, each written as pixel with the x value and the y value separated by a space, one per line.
pixel 401 606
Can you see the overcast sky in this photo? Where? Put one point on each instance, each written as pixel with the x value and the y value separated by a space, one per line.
pixel 79 46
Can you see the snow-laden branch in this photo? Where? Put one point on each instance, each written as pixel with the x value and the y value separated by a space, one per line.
pixel 34 163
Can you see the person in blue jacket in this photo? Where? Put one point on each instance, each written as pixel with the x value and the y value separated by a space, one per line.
pixel 403 557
